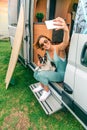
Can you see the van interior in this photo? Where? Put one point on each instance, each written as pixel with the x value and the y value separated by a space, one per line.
pixel 52 9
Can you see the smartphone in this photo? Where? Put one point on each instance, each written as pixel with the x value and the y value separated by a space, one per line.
pixel 49 24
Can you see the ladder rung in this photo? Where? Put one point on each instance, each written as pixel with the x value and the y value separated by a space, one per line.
pixel 51 104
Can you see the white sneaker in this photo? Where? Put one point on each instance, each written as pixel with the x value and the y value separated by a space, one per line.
pixel 39 88
pixel 45 95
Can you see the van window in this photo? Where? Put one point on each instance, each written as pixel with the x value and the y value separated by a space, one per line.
pixel 84 55
pixel 80 25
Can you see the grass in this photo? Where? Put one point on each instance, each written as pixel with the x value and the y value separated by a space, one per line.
pixel 19 109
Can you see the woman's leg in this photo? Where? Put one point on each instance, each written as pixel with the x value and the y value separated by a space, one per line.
pixel 46 88
pixel 44 77
pixel 46 92
pixel 41 87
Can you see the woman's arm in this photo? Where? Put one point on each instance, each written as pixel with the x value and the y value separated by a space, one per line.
pixel 60 22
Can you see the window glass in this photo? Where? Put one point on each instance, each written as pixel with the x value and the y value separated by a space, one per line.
pixel 84 62
pixel 80 25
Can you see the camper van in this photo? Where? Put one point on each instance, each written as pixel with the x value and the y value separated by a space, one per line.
pixel 72 92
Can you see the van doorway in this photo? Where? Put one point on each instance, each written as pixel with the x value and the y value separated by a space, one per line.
pixel 52 9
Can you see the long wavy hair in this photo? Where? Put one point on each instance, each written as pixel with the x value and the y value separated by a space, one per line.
pixel 37 45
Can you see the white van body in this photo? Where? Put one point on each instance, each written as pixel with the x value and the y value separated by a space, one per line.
pixel 73 94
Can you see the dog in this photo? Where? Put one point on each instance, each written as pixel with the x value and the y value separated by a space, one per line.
pixel 46 64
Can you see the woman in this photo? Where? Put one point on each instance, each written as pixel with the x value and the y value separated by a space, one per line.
pixel 56 54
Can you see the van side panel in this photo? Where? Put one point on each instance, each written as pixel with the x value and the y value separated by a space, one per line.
pixel 80 90
pixel 71 65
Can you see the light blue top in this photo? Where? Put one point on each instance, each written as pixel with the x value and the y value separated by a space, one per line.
pixel 58 61
pixel 45 76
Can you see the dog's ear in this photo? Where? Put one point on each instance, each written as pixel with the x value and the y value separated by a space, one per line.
pixel 40 58
pixel 45 56
pixel 38 55
pixel 53 65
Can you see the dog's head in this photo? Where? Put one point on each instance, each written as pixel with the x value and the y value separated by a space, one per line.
pixel 42 59
pixel 47 64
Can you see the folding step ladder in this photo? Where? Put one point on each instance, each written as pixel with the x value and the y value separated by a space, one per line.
pixel 53 102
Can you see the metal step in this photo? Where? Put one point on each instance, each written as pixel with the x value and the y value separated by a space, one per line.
pixel 51 105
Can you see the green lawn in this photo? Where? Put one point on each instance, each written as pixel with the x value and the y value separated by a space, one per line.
pixel 19 109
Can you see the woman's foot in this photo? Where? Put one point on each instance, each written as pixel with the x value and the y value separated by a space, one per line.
pixel 39 88
pixel 45 95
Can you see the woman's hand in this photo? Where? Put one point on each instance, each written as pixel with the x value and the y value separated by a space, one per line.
pixel 60 22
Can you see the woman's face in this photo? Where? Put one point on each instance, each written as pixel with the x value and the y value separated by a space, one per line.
pixel 44 43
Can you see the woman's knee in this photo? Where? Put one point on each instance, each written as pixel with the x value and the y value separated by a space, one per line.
pixel 38 75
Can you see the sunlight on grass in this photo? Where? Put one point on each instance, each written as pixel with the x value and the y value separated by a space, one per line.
pixel 19 108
